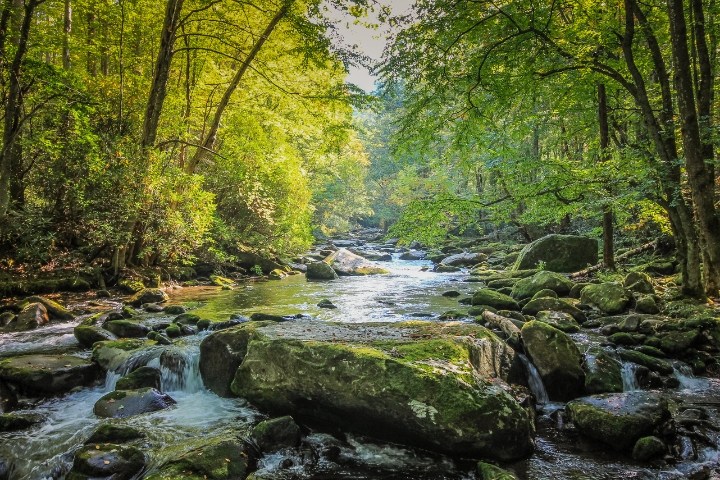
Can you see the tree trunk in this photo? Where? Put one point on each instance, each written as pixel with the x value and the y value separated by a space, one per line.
pixel 702 184
pixel 608 244
pixel 91 62
pixel 66 37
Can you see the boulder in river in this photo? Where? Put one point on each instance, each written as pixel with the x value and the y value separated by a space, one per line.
pixel 603 374
pixel 609 298
pixel 140 378
pixel 407 382
pixel 543 280
pixel 655 364
pixel 127 403
pixel 10 422
pixel 560 320
pixel 114 433
pixel 111 354
pixel 320 271
pixel 32 316
pixel 618 419
pixel 276 434
pixel 556 358
pixel 48 374
pixel 346 263
pixel 126 328
pixel 87 335
pixel 54 309
pixel 107 461
pixel 494 299
pixel 148 295
pixel 464 259
pixel 648 447
pixel 559 253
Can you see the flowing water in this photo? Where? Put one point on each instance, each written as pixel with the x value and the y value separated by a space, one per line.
pixel 46 450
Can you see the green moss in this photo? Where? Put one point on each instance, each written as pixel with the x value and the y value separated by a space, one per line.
pixel 110 433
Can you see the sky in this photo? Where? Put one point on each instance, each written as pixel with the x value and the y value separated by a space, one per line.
pixel 370 42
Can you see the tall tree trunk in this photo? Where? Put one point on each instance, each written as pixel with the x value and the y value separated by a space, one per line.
pixel 91 29
pixel 211 138
pixel 608 240
pixel 702 183
pixel 66 36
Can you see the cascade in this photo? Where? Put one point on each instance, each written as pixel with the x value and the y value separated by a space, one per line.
pixel 534 381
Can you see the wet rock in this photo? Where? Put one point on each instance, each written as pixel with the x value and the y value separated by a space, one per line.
pixel 8 399
pixel 622 338
pixel 5 469
pixel 111 354
pixel 148 295
pixel 654 364
pixel 159 338
pixel 173 331
pixel 152 307
pixel 346 263
pixel 543 280
pixel 560 320
pixel 126 329
pixel 325 303
pixel 187 319
pixel 128 312
pixel 110 433
pixel 320 271
pixel 533 307
pixel 638 282
pixel 487 471
pixel 609 298
pixel 127 403
pixel 6 318
pixel 222 353
pixel 494 299
pixel 560 253
pixel 87 335
pixel 411 256
pixel 451 294
pixel 54 309
pixel 219 459
pixel 652 351
pixel 276 434
pixel 11 423
pixel 677 342
pixel 545 293
pixel 32 316
pixel 603 374
pixel 648 448
pixel 464 259
pixel 48 374
pixel 216 326
pixel 646 304
pixel 556 358
pixel 385 388
pixel 106 461
pixel 618 419
pixel 140 378
pixel 446 268
pixel 493 358
pixel 114 316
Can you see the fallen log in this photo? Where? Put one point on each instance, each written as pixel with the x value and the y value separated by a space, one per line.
pixel 507 327
pixel 628 254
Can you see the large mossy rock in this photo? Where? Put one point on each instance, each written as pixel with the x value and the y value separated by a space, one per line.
pixel 544 280
pixel 609 298
pixel 560 253
pixel 560 320
pixel 346 263
pixel 556 358
pixel 603 374
pixel 220 458
pixel 148 295
pixel 111 354
pixel 638 282
pixel 464 259
pixel 48 374
pixel 106 461
pixel 128 403
pixel 494 299
pixel 87 336
pixel 54 309
pixel 30 317
pixel 533 307
pixel 408 382
pixel 320 271
pixel 126 329
pixel 618 419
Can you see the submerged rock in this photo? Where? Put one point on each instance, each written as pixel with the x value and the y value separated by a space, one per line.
pixel 377 379
pixel 106 461
pixel 320 271
pixel 556 358
pixel 346 263
pixel 11 423
pixel 618 419
pixel 127 403
pixel 48 374
pixel 276 434
pixel 559 253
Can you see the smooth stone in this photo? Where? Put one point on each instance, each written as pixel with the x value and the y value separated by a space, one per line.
pixel 48 374
pixel 128 403
pixel 276 434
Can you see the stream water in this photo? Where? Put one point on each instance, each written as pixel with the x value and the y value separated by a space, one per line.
pixel 46 450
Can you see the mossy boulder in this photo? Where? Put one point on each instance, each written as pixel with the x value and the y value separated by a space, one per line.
pixel 12 423
pixel 559 253
pixel 618 419
pixel 346 263
pixel 187 319
pixel 467 259
pixel 560 320
pixel 653 363
pixel 660 268
pixel 106 461
pixel 54 309
pixel 576 289
pixel 128 312
pixel 320 271
pixel 410 382
pixel 128 403
pixel 173 331
pixel 159 338
pixel 276 434
pixel 543 280
pixel 221 281
pixel 556 358
pixel 494 299
pixel 533 307
pixel 545 293
pixel 647 304
pixel 648 448
pixel 111 433
pixel 174 309
pixel 87 335
pixel 48 374
pixel 140 378
pixel 678 342
pixel 126 329
pixel 148 295
pixel 131 285
pixel 638 282
pixel 603 374
pixel 32 316
pixel 609 298
pixel 219 459
pixel 487 471
pixel 111 354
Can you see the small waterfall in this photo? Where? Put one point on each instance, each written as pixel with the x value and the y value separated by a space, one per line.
pixel 629 378
pixel 534 381
pixel 181 371
pixel 130 364
pixel 684 374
